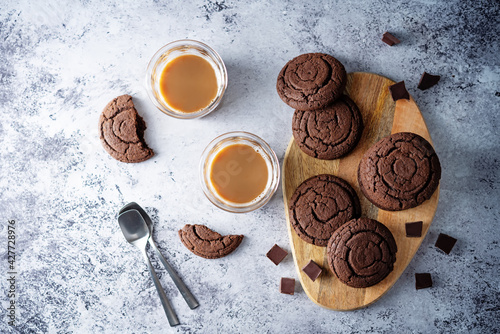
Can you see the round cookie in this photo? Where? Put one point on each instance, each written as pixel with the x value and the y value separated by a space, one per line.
pixel 362 252
pixel 399 172
pixel 320 205
pixel 311 81
pixel 330 132
pixel 122 131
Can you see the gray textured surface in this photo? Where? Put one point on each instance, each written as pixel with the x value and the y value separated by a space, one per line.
pixel 61 62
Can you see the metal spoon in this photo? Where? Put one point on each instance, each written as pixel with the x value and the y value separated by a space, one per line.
pixel 137 233
pixel 188 296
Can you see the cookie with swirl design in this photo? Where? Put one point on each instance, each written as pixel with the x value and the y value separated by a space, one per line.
pixel 320 205
pixel 207 243
pixel 399 172
pixel 330 132
pixel 362 252
pixel 121 131
pixel 311 81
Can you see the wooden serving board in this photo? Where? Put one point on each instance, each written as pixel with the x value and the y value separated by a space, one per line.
pixel 381 117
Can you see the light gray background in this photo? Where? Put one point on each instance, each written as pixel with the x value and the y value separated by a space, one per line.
pixel 62 61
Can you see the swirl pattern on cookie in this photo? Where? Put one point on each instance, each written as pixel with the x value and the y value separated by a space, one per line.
pixel 330 132
pixel 362 252
pixel 320 205
pixel 311 81
pixel 122 131
pixel 206 243
pixel 399 172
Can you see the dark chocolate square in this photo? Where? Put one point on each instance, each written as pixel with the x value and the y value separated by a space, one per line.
pixel 445 243
pixel 414 229
pixel 312 270
pixel 287 285
pixel 427 81
pixel 423 281
pixel 398 91
pixel 390 39
pixel 276 254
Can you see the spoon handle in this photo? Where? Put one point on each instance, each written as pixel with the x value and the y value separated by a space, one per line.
pixel 188 296
pixel 169 311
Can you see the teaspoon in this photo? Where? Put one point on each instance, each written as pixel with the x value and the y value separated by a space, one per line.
pixel 188 296
pixel 136 231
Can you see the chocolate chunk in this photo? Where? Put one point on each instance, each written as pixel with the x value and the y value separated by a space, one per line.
pixel 390 39
pixel 287 285
pixel 445 243
pixel 414 229
pixel 398 91
pixel 427 81
pixel 423 281
pixel 312 270
pixel 206 243
pixel 276 254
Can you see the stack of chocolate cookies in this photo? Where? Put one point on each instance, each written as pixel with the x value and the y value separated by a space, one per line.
pixel 399 172
pixel 326 124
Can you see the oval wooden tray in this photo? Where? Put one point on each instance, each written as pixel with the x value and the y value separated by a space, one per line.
pixel 381 117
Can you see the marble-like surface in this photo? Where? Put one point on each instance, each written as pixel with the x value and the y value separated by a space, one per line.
pixel 62 61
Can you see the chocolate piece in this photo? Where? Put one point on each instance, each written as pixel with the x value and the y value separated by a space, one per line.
pixel 398 91
pixel 388 38
pixel 206 243
pixel 445 243
pixel 423 281
pixel 276 254
pixel 312 270
pixel 330 132
pixel 320 205
pixel 311 81
pixel 427 81
pixel 399 172
pixel 414 229
pixel 121 131
pixel 362 252
pixel 287 285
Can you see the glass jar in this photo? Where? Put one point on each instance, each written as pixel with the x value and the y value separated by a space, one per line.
pixel 262 148
pixel 171 51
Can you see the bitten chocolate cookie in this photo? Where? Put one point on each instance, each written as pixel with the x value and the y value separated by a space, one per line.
pixel 122 131
pixel 320 205
pixel 330 132
pixel 206 243
pixel 362 252
pixel 311 81
pixel 399 172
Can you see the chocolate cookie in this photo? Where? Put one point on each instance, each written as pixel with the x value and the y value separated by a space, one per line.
pixel 362 252
pixel 399 172
pixel 320 205
pixel 311 81
pixel 330 132
pixel 206 243
pixel 122 131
